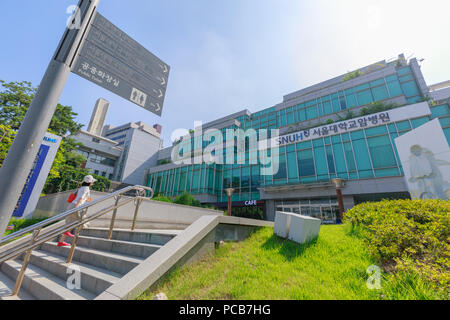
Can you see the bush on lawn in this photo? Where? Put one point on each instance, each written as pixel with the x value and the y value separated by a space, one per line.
pixel 162 198
pixel 187 200
pixel 407 237
pixel 20 224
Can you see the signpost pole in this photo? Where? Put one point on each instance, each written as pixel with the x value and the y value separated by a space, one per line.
pixel 23 151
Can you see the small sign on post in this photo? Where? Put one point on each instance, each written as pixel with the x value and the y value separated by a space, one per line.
pixel 116 62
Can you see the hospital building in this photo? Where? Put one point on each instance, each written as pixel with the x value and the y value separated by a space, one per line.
pixel 344 128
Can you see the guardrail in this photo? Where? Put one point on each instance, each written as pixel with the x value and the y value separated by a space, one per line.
pixel 40 236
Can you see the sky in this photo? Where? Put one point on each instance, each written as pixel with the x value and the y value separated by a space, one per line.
pixel 231 55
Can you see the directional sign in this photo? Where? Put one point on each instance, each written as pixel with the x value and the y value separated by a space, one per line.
pixel 116 62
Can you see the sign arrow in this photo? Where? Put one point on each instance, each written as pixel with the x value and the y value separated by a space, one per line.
pixel 163 80
pixel 159 91
pixel 165 69
pixel 157 106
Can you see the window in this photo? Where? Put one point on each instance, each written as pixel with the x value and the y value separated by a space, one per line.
pixel 311 112
pixel 381 152
pixel 362 155
pixel 327 109
pixel 410 89
pixel 245 181
pixel 95 140
pixel 306 163
pixel 321 163
pixel 364 97
pixel 330 159
pixel 394 88
pixel 102 160
pixel 119 137
pixel 255 178
pixel 292 165
pixel 380 93
pixel 281 174
pixel 349 156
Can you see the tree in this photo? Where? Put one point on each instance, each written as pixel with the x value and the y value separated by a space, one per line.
pixel 16 97
pixel 66 172
pixel 70 178
pixel 6 139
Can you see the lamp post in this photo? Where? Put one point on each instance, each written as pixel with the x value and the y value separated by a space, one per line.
pixel 230 192
pixel 339 184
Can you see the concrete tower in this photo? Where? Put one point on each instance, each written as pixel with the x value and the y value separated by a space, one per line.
pixel 98 117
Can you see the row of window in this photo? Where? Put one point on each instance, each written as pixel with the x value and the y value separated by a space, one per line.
pixel 358 155
pixel 364 94
pixel 95 158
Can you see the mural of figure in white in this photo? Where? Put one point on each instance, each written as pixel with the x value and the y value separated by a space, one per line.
pixel 425 173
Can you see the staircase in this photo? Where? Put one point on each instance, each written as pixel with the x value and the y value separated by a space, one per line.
pixel 99 262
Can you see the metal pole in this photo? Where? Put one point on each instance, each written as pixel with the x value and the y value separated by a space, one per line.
pixel 23 151
pixel 229 206
pixel 26 261
pixel 136 211
pixel 113 219
pixel 341 204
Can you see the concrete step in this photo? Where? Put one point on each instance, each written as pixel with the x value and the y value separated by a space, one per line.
pixel 44 285
pixel 136 249
pixel 7 287
pixel 115 262
pixel 92 279
pixel 158 237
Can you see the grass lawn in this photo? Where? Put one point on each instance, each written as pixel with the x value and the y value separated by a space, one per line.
pixel 265 267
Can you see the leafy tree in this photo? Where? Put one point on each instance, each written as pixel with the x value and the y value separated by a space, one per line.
pixel 15 99
pixel 66 172
pixel 188 200
pixel 6 139
pixel 70 178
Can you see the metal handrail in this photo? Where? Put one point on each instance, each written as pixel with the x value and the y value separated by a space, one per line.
pixel 65 214
pixel 39 238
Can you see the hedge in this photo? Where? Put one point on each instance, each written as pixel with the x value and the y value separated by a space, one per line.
pixel 407 236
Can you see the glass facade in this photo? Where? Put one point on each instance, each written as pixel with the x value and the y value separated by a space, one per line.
pixel 364 154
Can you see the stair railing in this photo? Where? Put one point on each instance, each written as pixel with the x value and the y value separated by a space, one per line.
pixel 12 245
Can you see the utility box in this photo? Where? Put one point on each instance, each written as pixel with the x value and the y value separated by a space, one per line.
pixel 300 229
pixel 303 229
pixel 282 223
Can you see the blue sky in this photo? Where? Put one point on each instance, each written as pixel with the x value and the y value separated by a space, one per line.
pixel 234 54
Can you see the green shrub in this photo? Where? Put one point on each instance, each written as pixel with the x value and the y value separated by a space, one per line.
pixel 352 75
pixel 162 198
pixel 187 200
pixel 408 237
pixel 20 224
pixel 70 179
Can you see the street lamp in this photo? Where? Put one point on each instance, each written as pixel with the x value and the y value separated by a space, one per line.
pixel 230 192
pixel 339 184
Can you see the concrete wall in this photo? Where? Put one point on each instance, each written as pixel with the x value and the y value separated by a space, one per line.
pixel 152 214
pixel 142 154
pixel 188 247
